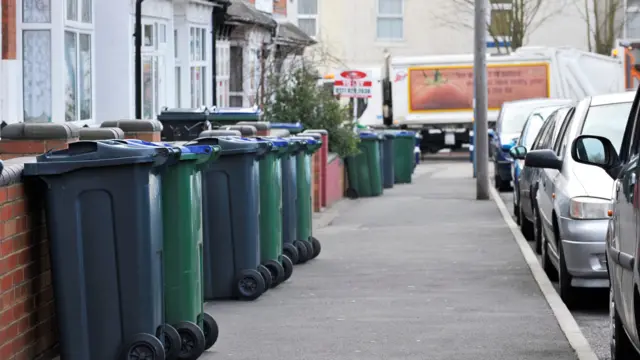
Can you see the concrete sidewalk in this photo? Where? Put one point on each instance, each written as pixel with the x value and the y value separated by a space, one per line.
pixel 424 272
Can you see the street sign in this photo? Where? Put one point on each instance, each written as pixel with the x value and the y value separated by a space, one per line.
pixel 353 84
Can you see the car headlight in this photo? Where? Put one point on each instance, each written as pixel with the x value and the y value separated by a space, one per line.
pixel 583 208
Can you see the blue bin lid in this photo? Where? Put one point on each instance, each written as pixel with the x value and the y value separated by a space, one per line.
pixel 191 149
pixel 94 154
pixel 277 142
pixel 308 140
pixel 369 135
pixel 405 134
pixel 229 145
pixel 286 126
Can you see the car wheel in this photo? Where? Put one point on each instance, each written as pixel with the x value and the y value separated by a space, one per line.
pixel 551 272
pixel 537 229
pixel 621 346
pixel 567 291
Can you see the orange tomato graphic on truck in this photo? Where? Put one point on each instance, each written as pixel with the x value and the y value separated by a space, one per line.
pixel 450 88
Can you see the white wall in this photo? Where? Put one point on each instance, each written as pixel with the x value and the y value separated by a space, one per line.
pixel 348 30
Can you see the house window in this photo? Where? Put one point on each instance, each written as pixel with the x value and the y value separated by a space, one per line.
pixel 36 61
pixel 198 66
pixel 78 59
pixel 308 16
pixel 633 23
pixel 178 70
pixel 501 18
pixel 222 73
pixel 390 23
pixel 236 89
pixel 153 70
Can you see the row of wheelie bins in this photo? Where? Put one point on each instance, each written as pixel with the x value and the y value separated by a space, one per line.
pixel 385 158
pixel 142 234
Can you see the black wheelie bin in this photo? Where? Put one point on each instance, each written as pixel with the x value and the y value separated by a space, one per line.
pixel 104 218
pixel 293 248
pixel 231 196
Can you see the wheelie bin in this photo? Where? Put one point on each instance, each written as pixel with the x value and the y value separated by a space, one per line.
pixel 388 160
pixel 404 159
pixel 230 193
pixel 293 128
pixel 291 246
pixel 279 267
pixel 304 204
pixel 104 219
pixel 218 132
pixel 363 169
pixel 182 234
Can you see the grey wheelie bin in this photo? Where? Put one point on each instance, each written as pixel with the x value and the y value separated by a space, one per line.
pixel 104 218
pixel 387 159
pixel 291 246
pixel 231 196
pixel 304 204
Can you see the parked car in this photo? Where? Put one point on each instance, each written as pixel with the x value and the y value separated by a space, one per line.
pixel 574 199
pixel 511 118
pixel 544 120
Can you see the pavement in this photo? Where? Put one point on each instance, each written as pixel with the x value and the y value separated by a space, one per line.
pixel 423 272
pixel 591 314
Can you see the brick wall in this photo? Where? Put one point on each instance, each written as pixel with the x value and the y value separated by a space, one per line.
pixel 335 180
pixel 9 29
pixel 279 6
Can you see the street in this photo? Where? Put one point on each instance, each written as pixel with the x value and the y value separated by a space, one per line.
pixel 592 314
pixel 423 272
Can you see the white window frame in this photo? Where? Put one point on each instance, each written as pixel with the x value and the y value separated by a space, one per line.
pixel 202 62
pixel 311 17
pixel 223 75
pixel 498 7
pixel 390 16
pixel 158 52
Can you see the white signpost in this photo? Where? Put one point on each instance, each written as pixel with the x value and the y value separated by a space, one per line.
pixel 353 84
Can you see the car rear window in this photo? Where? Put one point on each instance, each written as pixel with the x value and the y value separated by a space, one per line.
pixel 607 120
pixel 514 116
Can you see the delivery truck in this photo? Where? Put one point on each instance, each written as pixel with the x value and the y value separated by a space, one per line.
pixel 434 94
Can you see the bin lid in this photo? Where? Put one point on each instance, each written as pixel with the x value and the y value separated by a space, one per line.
pixel 319 131
pixel 367 135
pixel 218 132
pixel 277 144
pixel 316 136
pixel 388 134
pixel 288 126
pixel 259 125
pixel 403 133
pixel 184 114
pixel 93 154
pixel 245 130
pixel 305 140
pixel 235 114
pixel 229 145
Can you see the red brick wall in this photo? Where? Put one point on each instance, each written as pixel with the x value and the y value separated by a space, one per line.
pixel 9 29
pixel 335 181
pixel 279 6
pixel 28 327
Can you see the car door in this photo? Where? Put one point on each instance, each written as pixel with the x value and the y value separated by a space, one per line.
pixel 530 174
pixel 626 222
pixel 544 193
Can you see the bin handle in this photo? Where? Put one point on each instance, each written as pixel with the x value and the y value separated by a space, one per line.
pixel 263 149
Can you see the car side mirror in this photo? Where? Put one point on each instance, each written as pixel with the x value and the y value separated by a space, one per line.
pixel 544 159
pixel 518 152
pixel 597 151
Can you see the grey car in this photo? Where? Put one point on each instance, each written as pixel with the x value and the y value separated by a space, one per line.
pixel 573 199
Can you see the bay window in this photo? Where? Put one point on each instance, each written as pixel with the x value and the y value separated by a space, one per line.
pixel 154 41
pixel 78 59
pixel 222 73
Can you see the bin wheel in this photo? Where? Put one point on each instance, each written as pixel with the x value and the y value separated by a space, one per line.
pixel 266 276
pixel 351 193
pixel 277 272
pixel 249 284
pixel 287 264
pixel 143 347
pixel 309 247
pixel 317 247
pixel 192 340
pixel 303 255
pixel 170 338
pixel 210 329
pixel 292 252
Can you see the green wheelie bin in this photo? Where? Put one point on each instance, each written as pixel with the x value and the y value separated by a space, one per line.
pixel 364 169
pixel 182 241
pixel 404 159
pixel 280 267
pixel 304 203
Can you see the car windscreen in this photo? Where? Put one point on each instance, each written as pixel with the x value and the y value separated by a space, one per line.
pixel 609 121
pixel 514 117
pixel 535 123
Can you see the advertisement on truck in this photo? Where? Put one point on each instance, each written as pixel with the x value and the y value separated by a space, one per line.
pixel 450 88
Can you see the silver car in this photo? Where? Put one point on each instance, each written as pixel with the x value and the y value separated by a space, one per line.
pixel 574 199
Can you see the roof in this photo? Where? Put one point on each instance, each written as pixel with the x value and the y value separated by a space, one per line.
pixel 289 33
pixel 541 101
pixel 615 98
pixel 243 12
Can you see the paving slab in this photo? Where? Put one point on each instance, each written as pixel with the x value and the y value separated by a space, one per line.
pixel 423 272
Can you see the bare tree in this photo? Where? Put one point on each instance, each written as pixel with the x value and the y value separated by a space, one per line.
pixel 510 19
pixel 604 20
